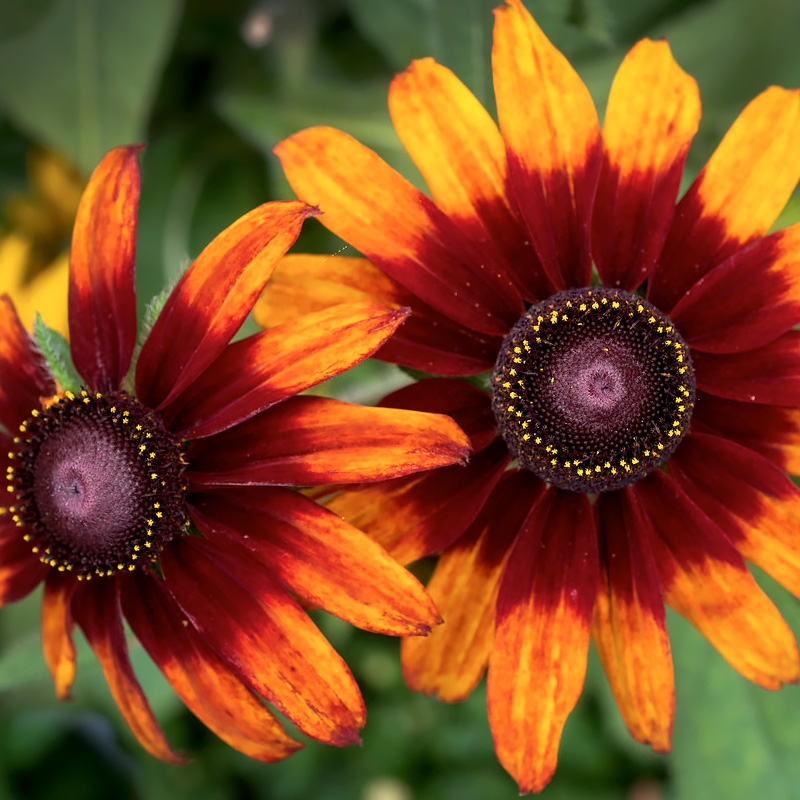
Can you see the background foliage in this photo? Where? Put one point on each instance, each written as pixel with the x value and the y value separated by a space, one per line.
pixel 210 87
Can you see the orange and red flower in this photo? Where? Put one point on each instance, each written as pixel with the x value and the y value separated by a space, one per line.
pixel 160 493
pixel 653 418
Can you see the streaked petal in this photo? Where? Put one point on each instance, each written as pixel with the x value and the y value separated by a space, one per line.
pixel 459 151
pixel 97 610
pixel 57 625
pixel 652 114
pixel 629 627
pixel 255 373
pixel 748 300
pixel 212 299
pixel 768 374
pixel 24 377
pixel 772 431
pixel 395 226
pixel 538 661
pixel 751 499
pixel 200 678
pixel 736 197
pixel 307 441
pixel 704 578
pixel 427 340
pixel 317 555
pixel 102 299
pixel 418 515
pixel 550 126
pixel 266 639
pixel 451 660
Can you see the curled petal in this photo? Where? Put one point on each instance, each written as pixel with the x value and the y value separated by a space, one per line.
pixel 212 299
pixel 102 299
pixel 308 441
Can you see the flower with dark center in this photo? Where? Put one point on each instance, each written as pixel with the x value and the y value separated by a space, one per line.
pixel 631 439
pixel 160 490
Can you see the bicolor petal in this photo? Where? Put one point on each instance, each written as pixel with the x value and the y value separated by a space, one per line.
pixel 212 299
pixel 538 661
pixel 652 115
pixel 57 626
pixel 102 299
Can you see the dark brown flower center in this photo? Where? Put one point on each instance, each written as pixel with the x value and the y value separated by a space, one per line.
pixel 593 389
pixel 98 483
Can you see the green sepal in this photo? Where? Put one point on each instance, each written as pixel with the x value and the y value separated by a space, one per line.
pixel 55 349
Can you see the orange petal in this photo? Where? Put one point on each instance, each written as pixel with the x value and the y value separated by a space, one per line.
pixel 57 624
pixel 704 578
pixel 652 114
pixel 97 611
pixel 200 678
pixel 395 226
pixel 736 197
pixel 451 660
pixel 418 515
pixel 259 371
pixel 629 627
pixel 552 134
pixel 427 341
pixel 265 638
pixel 212 299
pixel 23 376
pixel 538 662
pixel 308 441
pixel 459 151
pixel 752 500
pixel 102 300
pixel 317 555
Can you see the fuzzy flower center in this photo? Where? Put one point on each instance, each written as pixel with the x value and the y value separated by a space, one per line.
pixel 98 483
pixel 593 389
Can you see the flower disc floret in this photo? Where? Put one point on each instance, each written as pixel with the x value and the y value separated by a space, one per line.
pixel 98 483
pixel 593 389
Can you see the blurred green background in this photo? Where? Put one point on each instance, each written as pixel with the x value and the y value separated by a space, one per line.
pixel 210 86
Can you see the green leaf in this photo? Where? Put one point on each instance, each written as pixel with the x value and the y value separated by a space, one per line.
pixel 733 740
pixel 55 349
pixel 82 77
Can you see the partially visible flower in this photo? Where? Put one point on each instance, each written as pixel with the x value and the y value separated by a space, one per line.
pixel 162 493
pixel 631 439
pixel 34 236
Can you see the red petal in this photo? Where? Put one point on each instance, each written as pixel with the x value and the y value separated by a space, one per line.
pixel 201 679
pixel 652 114
pixel 259 371
pixel 57 625
pixel 397 227
pixel 553 142
pixel 629 626
pixel 538 662
pixel 770 430
pixel 97 610
pixel 459 151
pixel 266 639
pixel 750 499
pixel 422 514
pixel 102 299
pixel 769 374
pixel 735 198
pixel 308 441
pixel 427 341
pixel 20 570
pixel 212 299
pixel 24 378
pixel 317 555
pixel 451 660
pixel 748 300
pixel 704 578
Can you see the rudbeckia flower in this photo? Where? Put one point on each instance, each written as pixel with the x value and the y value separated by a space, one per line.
pixel 634 410
pixel 162 493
